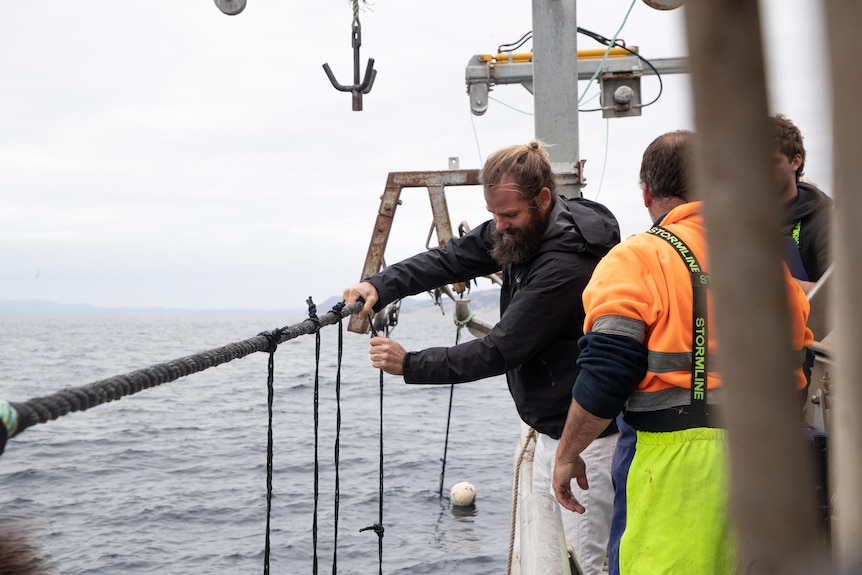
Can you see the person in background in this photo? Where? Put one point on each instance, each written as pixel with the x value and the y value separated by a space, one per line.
pixel 547 247
pixel 648 349
pixel 806 211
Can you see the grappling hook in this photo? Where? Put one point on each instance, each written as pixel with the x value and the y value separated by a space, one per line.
pixel 356 89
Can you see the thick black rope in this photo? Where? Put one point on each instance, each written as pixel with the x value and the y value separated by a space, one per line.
pixel 273 338
pixel 312 316
pixel 378 527
pixel 337 309
pixel 43 409
pixel 449 413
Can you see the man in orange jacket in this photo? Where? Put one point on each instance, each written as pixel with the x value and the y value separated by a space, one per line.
pixel 647 351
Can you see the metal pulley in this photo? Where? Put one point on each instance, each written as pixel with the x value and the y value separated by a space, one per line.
pixel 231 7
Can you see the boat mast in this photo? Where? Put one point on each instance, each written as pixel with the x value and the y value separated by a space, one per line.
pixel 555 46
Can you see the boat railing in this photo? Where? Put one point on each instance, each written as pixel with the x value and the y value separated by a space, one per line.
pixel 538 542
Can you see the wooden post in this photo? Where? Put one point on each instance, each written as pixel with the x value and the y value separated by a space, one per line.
pixel 842 18
pixel 772 493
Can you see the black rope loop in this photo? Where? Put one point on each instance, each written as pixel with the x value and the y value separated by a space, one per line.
pixel 312 314
pixel 272 338
pixel 336 309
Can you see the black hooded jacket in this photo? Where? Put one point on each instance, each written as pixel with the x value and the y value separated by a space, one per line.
pixel 813 210
pixel 535 343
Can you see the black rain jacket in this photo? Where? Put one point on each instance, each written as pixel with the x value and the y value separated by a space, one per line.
pixel 535 343
pixel 813 209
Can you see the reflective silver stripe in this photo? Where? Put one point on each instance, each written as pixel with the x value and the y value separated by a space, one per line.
pixel 676 396
pixel 619 325
pixel 672 397
pixel 666 362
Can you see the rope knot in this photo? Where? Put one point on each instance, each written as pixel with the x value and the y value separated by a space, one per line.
pixel 272 338
pixel 336 309
pixel 377 528
pixel 312 314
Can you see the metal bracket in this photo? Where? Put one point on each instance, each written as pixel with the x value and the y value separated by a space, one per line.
pixel 570 178
pixel 357 89
pixel 484 72
pixel 621 95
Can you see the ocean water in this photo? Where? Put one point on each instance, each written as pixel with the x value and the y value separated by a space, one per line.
pixel 173 479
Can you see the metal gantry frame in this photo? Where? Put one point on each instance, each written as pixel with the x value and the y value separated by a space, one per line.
pixel 485 71
pixel 435 182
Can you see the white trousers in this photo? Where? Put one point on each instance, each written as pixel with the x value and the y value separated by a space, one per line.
pixel 588 534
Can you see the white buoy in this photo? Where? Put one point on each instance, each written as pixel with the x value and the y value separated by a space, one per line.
pixel 664 4
pixel 463 494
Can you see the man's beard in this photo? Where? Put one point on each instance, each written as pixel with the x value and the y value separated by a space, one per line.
pixel 518 246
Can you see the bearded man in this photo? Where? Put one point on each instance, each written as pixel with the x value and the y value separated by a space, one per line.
pixel 547 247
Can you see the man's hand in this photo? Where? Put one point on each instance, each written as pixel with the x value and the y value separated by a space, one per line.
pixel 387 355
pixel 367 292
pixel 564 472
pixel 580 430
pixel 805 285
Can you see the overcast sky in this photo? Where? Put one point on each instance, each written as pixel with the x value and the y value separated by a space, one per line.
pixel 164 154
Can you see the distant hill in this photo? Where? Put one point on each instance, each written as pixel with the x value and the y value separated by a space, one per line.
pixel 42 308
pixel 487 299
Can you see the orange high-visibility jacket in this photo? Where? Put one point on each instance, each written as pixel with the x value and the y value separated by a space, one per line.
pixel 642 289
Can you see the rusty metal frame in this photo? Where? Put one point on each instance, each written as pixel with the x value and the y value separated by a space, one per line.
pixel 436 183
